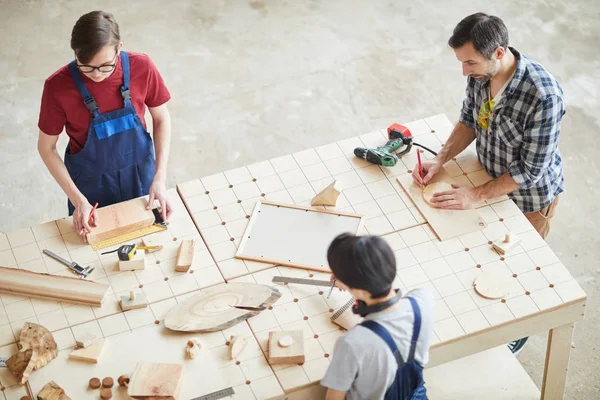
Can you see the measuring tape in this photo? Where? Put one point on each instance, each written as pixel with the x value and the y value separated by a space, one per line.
pixel 128 237
pixel 219 394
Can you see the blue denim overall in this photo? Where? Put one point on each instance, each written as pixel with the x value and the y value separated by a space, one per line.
pixel 408 383
pixel 117 160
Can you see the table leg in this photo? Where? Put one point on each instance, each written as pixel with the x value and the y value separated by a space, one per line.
pixel 557 361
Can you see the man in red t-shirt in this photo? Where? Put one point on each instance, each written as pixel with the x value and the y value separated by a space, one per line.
pixel 100 100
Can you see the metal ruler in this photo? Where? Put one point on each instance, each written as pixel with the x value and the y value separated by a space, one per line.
pixel 219 394
pixel 128 236
pixel 314 282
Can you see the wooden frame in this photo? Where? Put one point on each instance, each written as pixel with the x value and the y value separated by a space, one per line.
pixel 289 262
pixel 52 287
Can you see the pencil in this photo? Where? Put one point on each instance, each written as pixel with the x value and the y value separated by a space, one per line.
pixel 91 215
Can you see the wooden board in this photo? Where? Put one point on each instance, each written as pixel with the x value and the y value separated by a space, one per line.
pixel 156 380
pixel 120 219
pixel 185 255
pixel 211 311
pixel 447 224
pixel 294 236
pixel 53 287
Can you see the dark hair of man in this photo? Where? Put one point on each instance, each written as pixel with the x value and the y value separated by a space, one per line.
pixel 363 262
pixel 92 32
pixel 486 32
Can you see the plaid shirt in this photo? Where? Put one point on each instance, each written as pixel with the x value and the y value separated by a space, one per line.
pixel 523 132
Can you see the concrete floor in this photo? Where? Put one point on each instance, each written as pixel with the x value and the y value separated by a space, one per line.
pixel 255 79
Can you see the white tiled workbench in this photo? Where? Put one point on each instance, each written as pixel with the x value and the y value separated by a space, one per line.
pixel 544 296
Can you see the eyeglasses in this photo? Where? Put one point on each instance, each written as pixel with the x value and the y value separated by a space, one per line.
pixel 86 69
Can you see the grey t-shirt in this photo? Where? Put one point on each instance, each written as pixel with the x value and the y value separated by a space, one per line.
pixel 362 363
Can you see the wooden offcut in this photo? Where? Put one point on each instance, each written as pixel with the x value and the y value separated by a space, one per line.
pixel 185 255
pixel 446 224
pixel 52 287
pixel 327 196
pixel 237 345
pixel 91 354
pixel 119 219
pixel 505 244
pixel 212 310
pixel 137 262
pixel 291 354
pixel 294 236
pixel 133 301
pixel 156 380
pixel 52 392
pixel 37 348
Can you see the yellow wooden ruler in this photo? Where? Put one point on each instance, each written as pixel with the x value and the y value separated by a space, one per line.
pixel 128 237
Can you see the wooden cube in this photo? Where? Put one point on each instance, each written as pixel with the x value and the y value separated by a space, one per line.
pixel 292 354
pixel 137 263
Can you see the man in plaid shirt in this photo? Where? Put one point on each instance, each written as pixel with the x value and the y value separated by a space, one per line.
pixel 513 109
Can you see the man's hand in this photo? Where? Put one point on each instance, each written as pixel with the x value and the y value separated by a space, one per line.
pixel 430 168
pixel 158 191
pixel 461 197
pixel 80 218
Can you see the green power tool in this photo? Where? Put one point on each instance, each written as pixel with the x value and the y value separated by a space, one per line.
pixel 387 155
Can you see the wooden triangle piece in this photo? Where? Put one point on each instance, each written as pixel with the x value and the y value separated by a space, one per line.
pixel 327 196
pixel 91 353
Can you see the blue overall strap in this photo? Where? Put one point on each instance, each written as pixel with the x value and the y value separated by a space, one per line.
pixel 387 338
pixel 126 78
pixel 89 101
pixel 416 329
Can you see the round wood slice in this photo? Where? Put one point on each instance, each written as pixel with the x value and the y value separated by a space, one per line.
pixel 492 285
pixel 433 188
pixel 211 310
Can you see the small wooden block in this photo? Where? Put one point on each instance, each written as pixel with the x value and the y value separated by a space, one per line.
pixel 293 354
pixel 52 392
pixel 156 380
pixel 137 263
pixel 185 255
pixel 503 246
pixel 237 345
pixel 91 353
pixel 327 196
pixel 85 341
pixel 139 301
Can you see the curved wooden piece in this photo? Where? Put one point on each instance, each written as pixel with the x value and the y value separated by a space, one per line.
pixel 212 310
pixel 434 188
pixel 37 348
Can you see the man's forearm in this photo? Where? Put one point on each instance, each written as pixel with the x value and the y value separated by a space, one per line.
pixel 58 170
pixel 497 187
pixel 162 145
pixel 459 139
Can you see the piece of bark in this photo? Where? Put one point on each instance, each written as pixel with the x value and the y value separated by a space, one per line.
pixel 37 348
pixel 52 392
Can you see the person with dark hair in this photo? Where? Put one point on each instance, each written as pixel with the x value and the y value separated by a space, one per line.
pixel 513 110
pixel 100 100
pixel 384 356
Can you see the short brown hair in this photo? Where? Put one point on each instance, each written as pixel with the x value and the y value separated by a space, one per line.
pixel 486 32
pixel 92 32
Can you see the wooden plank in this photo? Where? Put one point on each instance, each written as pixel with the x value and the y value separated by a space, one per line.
pixel 156 380
pixel 557 362
pixel 294 236
pixel 120 219
pixel 290 353
pixel 446 224
pixel 92 353
pixel 185 255
pixel 53 287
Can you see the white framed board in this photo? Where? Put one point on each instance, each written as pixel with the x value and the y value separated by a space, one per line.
pixel 294 236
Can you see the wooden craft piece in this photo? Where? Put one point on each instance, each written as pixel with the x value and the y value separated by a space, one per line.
pixel 52 392
pixel 156 380
pixel 123 380
pixel 21 282
pixel 345 318
pixel 94 383
pixel 294 236
pixel 106 394
pixel 447 224
pixel 193 347
pixel 292 354
pixel 151 240
pixel 37 348
pixel 108 382
pixel 91 353
pixel 507 243
pixel 120 219
pixel 237 345
pixel 133 301
pixel 137 262
pixel 492 285
pixel 211 311
pixel 327 196
pixel 285 341
pixel 433 188
pixel 85 341
pixel 185 255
